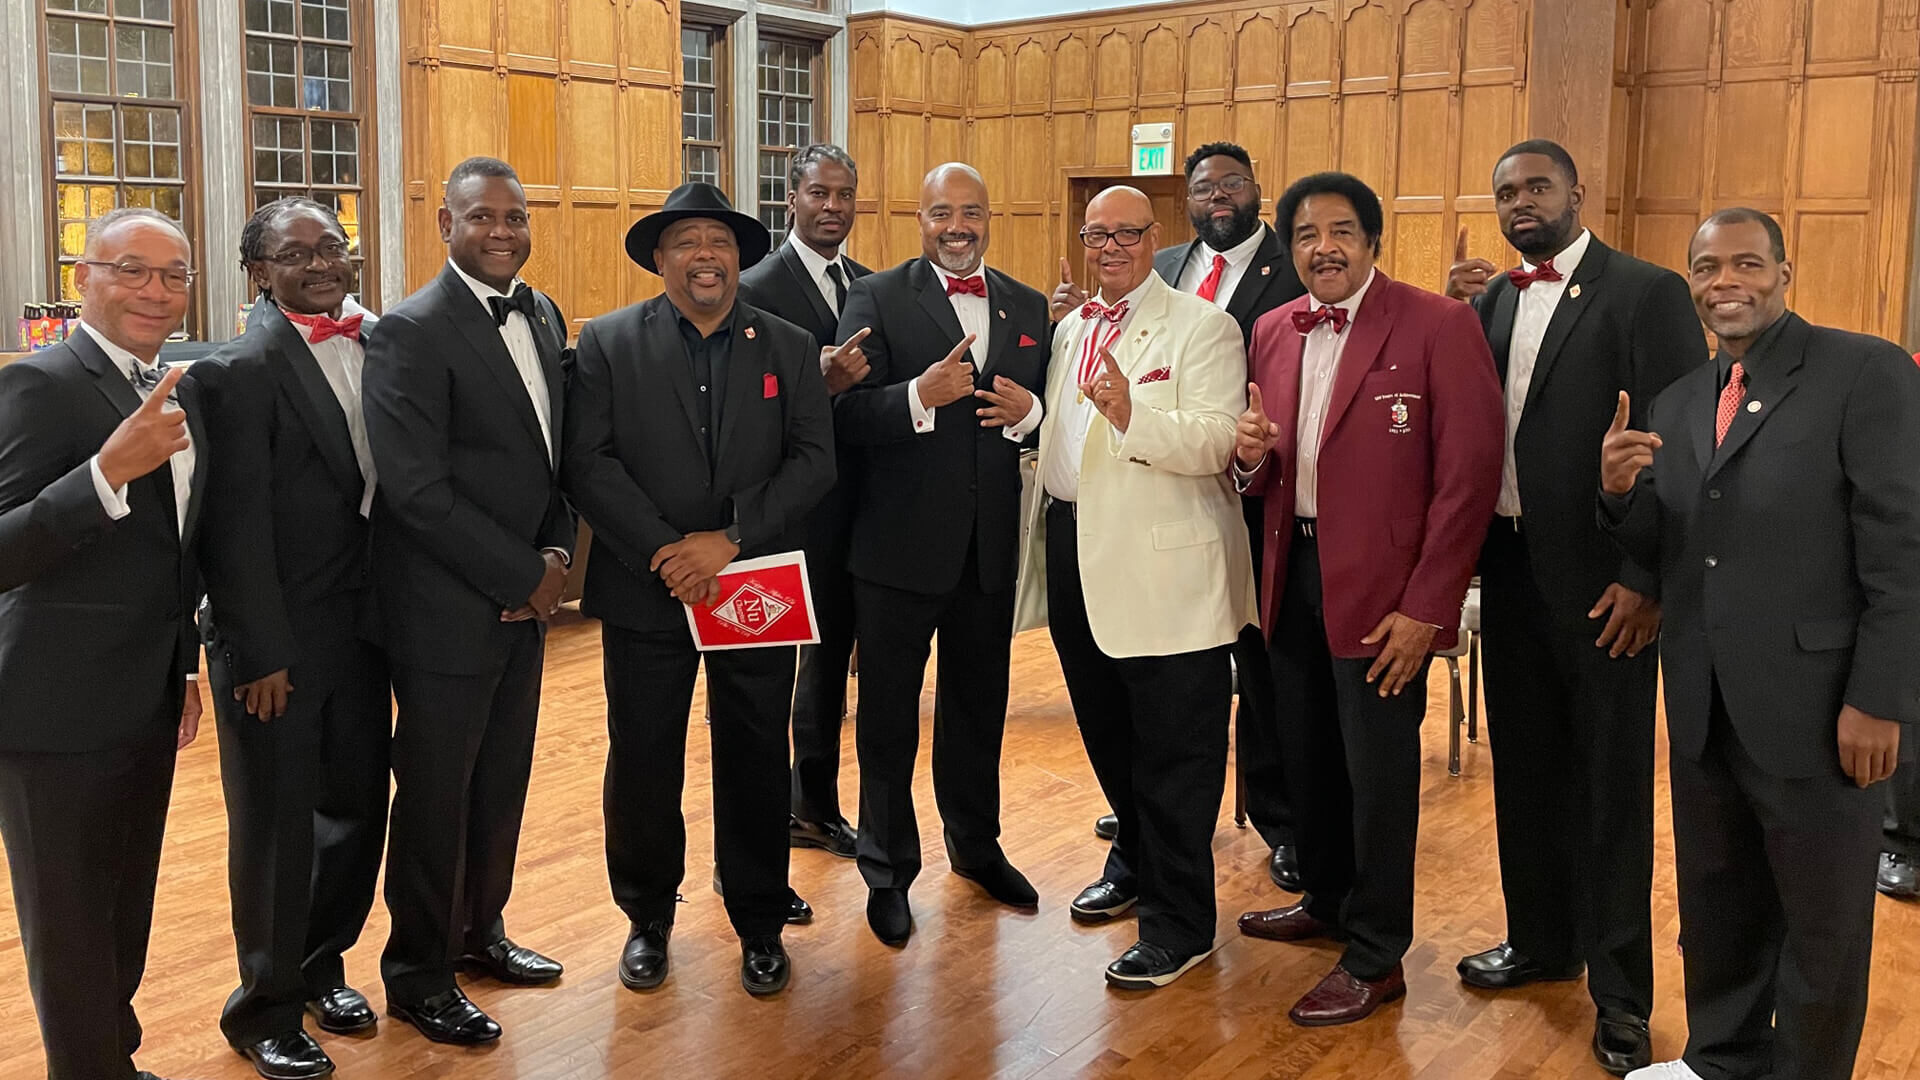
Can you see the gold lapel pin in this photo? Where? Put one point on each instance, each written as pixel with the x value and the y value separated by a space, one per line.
pixel 1574 292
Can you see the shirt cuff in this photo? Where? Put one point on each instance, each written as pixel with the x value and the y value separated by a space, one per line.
pixel 826 358
pixel 113 502
pixel 1242 476
pixel 922 416
pixel 566 560
pixel 1035 413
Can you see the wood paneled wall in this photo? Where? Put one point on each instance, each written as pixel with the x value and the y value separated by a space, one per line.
pixel 580 96
pixel 1805 108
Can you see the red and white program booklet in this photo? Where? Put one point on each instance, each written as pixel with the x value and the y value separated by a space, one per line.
pixel 763 602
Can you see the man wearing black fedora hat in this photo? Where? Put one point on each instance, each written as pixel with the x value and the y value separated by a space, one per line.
pixel 698 433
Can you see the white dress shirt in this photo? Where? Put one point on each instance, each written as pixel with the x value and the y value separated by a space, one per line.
pixel 1532 311
pixel 1239 257
pixel 342 360
pixel 1061 463
pixel 816 265
pixel 114 500
pixel 1319 366
pixel 972 312
pixel 526 356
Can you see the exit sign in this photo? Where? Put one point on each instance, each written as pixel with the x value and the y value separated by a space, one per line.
pixel 1152 149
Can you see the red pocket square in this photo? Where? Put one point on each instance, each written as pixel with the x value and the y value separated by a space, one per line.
pixel 770 386
pixel 1026 341
pixel 1156 375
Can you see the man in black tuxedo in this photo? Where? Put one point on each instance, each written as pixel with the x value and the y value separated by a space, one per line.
pixel 464 403
pixel 300 689
pixel 1238 263
pixel 1900 850
pixel 102 474
pixel 698 431
pixel 1775 490
pixel 935 536
pixel 806 283
pixel 1569 624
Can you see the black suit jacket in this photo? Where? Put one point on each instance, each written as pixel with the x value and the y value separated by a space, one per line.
pixel 468 495
pixel 96 615
pixel 1269 282
pixel 636 465
pixel 286 553
pixel 1789 556
pixel 780 285
pixel 925 498
pixel 1632 327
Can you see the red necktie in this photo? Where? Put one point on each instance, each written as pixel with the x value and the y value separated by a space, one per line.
pixel 1094 309
pixel 1305 321
pixel 973 286
pixel 1730 400
pixel 1544 272
pixel 1211 284
pixel 322 327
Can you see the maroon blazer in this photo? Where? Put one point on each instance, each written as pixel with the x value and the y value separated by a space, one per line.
pixel 1405 495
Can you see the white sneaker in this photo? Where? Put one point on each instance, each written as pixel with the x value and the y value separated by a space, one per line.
pixel 1665 1070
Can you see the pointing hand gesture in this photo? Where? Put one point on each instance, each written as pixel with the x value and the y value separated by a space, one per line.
pixel 1067 296
pixel 948 379
pixel 1467 278
pixel 1256 435
pixel 148 436
pixel 846 365
pixel 1624 452
pixel 1110 393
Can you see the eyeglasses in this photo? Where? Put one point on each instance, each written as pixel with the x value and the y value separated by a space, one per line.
pixel 1232 184
pixel 135 275
pixel 331 251
pixel 1126 238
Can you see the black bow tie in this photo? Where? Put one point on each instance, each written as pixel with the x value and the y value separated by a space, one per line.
pixel 521 301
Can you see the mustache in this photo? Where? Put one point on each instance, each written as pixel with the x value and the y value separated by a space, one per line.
pixel 1321 261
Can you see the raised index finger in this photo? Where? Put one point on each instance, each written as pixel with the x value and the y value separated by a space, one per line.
pixel 859 336
pixel 966 345
pixel 158 399
pixel 1620 414
pixel 1066 271
pixel 1460 246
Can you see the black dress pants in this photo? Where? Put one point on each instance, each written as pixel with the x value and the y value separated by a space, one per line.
pixel 896 630
pixel 462 756
pixel 1776 883
pixel 1353 758
pixel 1155 728
pixel 650 679
pixel 83 835
pixel 820 691
pixel 1572 732
pixel 1256 726
pixel 1902 822
pixel 306 798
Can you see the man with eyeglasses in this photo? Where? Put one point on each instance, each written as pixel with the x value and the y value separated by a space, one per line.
pixel 1147 576
pixel 102 470
pixel 300 688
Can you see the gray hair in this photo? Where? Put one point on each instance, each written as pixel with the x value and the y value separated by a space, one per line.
pixel 815 154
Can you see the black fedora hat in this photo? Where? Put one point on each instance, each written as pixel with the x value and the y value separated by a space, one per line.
pixel 697 200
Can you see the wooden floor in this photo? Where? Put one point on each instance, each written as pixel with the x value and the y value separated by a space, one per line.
pixel 979 992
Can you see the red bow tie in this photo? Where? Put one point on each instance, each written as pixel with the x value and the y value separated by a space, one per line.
pixel 1093 309
pixel 1305 321
pixel 1544 272
pixel 322 327
pixel 973 286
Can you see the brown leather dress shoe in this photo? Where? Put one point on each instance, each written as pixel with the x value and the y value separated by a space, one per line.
pixel 1290 923
pixel 1342 999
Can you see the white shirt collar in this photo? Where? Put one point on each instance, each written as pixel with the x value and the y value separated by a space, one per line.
pixel 1569 260
pixel 1132 299
pixel 1239 254
pixel 946 275
pixel 815 262
pixel 1352 303
pixel 481 289
pixel 124 360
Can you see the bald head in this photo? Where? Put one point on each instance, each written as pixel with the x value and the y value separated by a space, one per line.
pixel 953 218
pixel 1121 236
pixel 113 227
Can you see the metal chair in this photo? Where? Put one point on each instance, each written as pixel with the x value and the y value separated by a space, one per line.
pixel 1464 708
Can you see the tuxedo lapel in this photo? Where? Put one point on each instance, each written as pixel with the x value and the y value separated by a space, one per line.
pixel 476 324
pixel 933 300
pixel 299 375
pixel 809 288
pixel 112 382
pixel 998 331
pixel 197 488
pixel 1506 304
pixel 1582 288
pixel 1372 322
pixel 1169 263
pixel 1767 388
pixel 550 341
pixel 1129 352
pixel 747 360
pixel 1259 276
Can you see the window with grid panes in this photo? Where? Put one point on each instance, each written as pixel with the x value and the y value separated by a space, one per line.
pixel 306 113
pixel 788 77
pixel 703 121
pixel 117 100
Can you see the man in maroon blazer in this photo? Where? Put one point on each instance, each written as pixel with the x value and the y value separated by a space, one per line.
pixel 1380 464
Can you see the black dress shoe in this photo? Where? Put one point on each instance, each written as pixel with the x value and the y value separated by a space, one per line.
pixel 833 837
pixel 1102 901
pixel 447 1017
pixel 511 963
pixel 764 967
pixel 1106 826
pixel 1003 883
pixel 1283 866
pixel 1503 968
pixel 643 963
pixel 1896 878
pixel 342 1011
pixel 1146 967
pixel 1621 1042
pixel 288 1057
pixel 889 916
pixel 799 912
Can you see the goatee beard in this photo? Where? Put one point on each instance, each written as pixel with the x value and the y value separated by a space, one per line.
pixel 956 264
pixel 1545 242
pixel 1224 233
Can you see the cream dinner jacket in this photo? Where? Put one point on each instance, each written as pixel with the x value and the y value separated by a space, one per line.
pixel 1163 546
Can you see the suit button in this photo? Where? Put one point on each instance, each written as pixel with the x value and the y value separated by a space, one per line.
pixel 1713 493
pixel 1713 561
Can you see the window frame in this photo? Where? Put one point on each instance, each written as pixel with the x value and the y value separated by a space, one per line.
pixel 722 141
pixel 818 101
